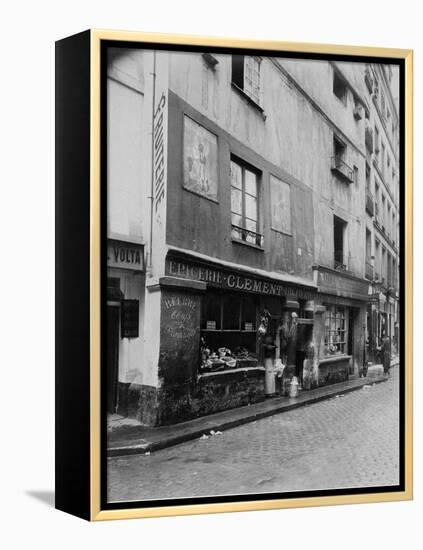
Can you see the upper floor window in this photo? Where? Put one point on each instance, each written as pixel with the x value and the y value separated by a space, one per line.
pixel 244 203
pixel 383 158
pixel 383 210
pixel 339 166
pixel 367 177
pixel 246 75
pixel 376 88
pixel 339 242
pixel 377 141
pixel 339 87
pixel 377 260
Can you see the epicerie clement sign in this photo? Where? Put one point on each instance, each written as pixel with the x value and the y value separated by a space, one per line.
pixel 125 255
pixel 230 280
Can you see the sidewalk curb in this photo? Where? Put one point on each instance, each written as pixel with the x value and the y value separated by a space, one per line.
pixel 197 432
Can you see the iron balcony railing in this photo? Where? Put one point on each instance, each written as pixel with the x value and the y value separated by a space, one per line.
pixel 247 235
pixel 369 270
pixel 369 202
pixel 341 169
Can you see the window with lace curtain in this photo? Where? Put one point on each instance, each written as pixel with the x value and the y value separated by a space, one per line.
pixel 244 203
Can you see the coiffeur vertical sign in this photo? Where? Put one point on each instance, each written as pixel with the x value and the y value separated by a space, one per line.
pixel 159 159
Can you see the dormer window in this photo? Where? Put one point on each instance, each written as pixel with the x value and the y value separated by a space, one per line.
pixel 339 87
pixel 246 76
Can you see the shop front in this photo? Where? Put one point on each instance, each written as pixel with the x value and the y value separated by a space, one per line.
pixel 340 326
pixel 124 321
pixel 216 321
pixel 382 314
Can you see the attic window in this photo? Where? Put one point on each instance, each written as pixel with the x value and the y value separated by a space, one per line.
pixel 246 76
pixel 339 87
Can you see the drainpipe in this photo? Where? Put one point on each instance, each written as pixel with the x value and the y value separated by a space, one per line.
pixel 150 253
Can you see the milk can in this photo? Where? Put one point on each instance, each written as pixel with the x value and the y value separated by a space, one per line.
pixel 269 371
pixel 293 388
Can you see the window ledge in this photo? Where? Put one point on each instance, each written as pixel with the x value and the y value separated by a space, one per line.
pixel 229 371
pixel 198 194
pixel 334 358
pixel 282 232
pixel 246 243
pixel 251 101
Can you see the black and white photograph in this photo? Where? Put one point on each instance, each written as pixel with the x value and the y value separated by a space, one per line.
pixel 252 343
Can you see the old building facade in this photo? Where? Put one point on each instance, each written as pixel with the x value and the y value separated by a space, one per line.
pixel 238 225
pixel 382 206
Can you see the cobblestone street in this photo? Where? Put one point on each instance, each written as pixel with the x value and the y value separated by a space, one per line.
pixel 347 441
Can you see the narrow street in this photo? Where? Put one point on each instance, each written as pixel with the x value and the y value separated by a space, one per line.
pixel 346 441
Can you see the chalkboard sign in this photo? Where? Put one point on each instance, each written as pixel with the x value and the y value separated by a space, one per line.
pixel 130 319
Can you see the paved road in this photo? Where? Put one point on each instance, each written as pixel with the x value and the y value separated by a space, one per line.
pixel 347 441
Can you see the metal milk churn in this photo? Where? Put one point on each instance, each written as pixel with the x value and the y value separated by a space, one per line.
pixel 293 388
pixel 269 371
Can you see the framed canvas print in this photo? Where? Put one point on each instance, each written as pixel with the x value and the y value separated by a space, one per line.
pixel 234 275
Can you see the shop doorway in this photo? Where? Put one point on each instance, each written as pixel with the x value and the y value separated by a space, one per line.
pixel 305 334
pixel 112 359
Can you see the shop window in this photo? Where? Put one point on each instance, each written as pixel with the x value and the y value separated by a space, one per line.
pixel 336 335
pixel 231 312
pixel 248 314
pixel 246 75
pixel 211 313
pixel 244 203
pixel 301 310
pixel 228 331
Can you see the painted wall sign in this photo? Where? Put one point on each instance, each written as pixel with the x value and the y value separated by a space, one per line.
pixel 200 159
pixel 124 255
pixel 159 152
pixel 230 280
pixel 280 193
pixel 179 336
pixel 180 314
pixel 339 284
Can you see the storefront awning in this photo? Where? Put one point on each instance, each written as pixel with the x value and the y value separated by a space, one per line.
pixel 230 276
